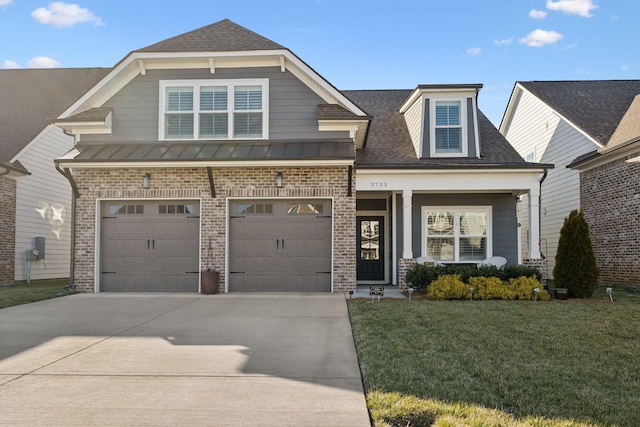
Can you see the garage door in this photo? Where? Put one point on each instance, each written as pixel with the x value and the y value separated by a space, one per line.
pixel 150 246
pixel 280 246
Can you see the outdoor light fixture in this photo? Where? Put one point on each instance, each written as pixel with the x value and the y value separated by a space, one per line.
pixel 410 290
pixel 145 180
pixel 279 180
pixel 536 291
pixel 610 293
pixel 350 294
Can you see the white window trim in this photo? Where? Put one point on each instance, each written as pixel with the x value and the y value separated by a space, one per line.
pixel 196 84
pixel 457 210
pixel 463 125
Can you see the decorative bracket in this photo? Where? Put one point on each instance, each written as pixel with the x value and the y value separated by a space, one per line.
pixel 211 186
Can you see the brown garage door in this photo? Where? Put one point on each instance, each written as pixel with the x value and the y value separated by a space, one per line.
pixel 150 246
pixel 277 246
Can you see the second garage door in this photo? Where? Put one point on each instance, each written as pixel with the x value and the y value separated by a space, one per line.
pixel 279 245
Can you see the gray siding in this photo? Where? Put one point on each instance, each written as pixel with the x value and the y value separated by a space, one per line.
pixel 471 131
pixel 292 105
pixel 505 241
pixel 426 132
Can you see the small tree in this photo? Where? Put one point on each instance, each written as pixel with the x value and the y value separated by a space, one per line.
pixel 575 267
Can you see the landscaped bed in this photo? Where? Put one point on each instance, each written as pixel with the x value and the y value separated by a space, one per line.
pixel 500 363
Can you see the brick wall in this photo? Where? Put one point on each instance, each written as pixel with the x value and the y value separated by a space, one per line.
pixel 404 265
pixel 610 199
pixel 325 182
pixel 7 230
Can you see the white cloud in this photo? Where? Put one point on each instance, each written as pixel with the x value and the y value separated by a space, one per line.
pixel 7 64
pixel 537 14
pixel 503 41
pixel 625 68
pixel 539 38
pixel 42 62
pixel 5 2
pixel 61 15
pixel 474 51
pixel 573 7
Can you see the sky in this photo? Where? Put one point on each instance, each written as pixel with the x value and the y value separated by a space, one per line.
pixel 354 44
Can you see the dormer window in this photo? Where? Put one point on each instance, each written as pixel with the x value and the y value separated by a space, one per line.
pixel 448 127
pixel 448 136
pixel 443 120
pixel 213 109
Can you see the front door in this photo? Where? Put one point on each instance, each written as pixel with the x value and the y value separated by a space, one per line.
pixel 370 248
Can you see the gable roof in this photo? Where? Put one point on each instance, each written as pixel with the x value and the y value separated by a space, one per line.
pixel 31 97
pixel 594 106
pixel 389 143
pixel 221 36
pixel 223 44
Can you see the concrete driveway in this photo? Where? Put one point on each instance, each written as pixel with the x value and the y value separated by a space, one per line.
pixel 180 359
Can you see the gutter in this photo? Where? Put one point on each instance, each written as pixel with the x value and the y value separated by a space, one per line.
pixel 72 245
pixel 544 176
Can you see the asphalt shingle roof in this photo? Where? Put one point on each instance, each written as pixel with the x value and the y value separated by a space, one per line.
pixel 30 98
pixel 595 106
pixel 221 36
pixel 389 144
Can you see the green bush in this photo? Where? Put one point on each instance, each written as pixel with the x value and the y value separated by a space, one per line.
pixel 448 286
pixel 575 267
pixel 516 271
pixel 420 276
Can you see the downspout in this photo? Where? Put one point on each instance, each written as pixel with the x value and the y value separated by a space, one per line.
pixel 72 246
pixel 544 176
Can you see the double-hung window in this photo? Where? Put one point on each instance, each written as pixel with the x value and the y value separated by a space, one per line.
pixel 448 130
pixel 213 109
pixel 457 234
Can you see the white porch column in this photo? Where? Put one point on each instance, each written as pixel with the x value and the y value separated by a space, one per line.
pixel 534 223
pixel 407 251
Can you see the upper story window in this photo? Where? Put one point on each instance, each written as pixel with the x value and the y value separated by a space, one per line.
pixel 448 136
pixel 213 109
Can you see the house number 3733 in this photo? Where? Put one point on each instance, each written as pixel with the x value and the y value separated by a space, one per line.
pixel 378 184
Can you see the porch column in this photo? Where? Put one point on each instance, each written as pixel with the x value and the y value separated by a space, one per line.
pixel 534 223
pixel 407 251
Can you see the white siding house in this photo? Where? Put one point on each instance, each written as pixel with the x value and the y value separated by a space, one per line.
pixel 540 133
pixel 41 197
pixel 43 208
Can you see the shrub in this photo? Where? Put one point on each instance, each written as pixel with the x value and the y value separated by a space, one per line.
pixel 420 276
pixel 523 287
pixel 490 288
pixel 516 271
pixel 575 267
pixel 448 286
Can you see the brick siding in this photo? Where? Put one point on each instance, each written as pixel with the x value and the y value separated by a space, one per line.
pixel 610 199
pixel 186 183
pixel 404 265
pixel 7 230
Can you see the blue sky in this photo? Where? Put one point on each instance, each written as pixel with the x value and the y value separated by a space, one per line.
pixel 354 44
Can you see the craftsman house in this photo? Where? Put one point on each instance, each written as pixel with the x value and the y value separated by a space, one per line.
pixel 220 149
pixel 590 130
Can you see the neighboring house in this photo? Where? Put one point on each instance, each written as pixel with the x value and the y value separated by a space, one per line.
pixel 590 126
pixel 220 149
pixel 36 199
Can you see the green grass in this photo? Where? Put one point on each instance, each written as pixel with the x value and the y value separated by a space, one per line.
pixel 500 363
pixel 23 293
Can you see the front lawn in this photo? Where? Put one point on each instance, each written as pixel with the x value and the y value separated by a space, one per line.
pixel 24 293
pixel 500 363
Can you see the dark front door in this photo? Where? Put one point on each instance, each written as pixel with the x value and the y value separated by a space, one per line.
pixel 370 254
